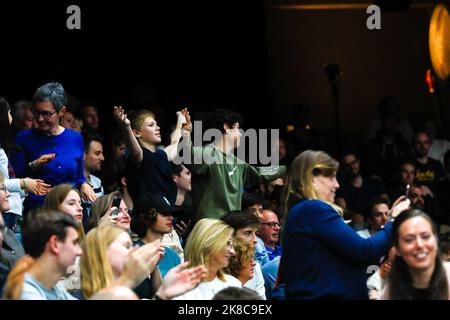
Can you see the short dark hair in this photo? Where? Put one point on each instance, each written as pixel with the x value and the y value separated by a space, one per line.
pixel 223 116
pixel 42 226
pixel 176 169
pixel 236 293
pixel 240 219
pixel 371 205
pixel 250 199
pixel 90 135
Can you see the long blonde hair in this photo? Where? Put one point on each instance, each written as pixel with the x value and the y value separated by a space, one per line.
pixel 96 269
pixel 305 166
pixel 208 239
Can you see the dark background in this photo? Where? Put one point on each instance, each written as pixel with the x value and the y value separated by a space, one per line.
pixel 254 56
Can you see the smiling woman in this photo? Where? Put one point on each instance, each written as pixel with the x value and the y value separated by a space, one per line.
pixel 49 151
pixel 417 271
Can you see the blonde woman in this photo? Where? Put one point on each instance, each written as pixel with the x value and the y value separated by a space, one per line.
pixel 110 260
pixel 210 243
pixel 323 258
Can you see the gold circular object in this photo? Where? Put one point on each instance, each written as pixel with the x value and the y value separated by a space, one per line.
pixel 439 41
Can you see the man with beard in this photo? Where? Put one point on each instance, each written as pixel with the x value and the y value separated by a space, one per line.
pixel 423 201
pixel 356 191
pixel 429 172
pixel 93 158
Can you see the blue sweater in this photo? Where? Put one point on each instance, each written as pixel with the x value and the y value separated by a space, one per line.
pixel 66 167
pixel 323 258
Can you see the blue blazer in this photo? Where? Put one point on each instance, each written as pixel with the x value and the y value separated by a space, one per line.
pixel 323 258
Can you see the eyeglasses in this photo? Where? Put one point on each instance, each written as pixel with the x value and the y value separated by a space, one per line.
pixel 46 114
pixel 272 224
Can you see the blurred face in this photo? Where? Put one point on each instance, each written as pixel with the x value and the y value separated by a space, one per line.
pixel 380 216
pixel 183 181
pixel 422 144
pixel 46 116
pixel 247 234
pixel 234 135
pixel 123 218
pixel 417 197
pixel 67 121
pixel 119 151
pixel 417 244
pixel 281 149
pixel 163 224
pixel 269 232
pixel 118 251
pixel 222 259
pixel 90 117
pixel 2 229
pixel 407 174
pixel 149 131
pixel 351 165
pixel 72 205
pixel 326 187
pixel 256 209
pixel 4 199
pixel 28 121
pixel 69 249
pixel 248 271
pixel 94 158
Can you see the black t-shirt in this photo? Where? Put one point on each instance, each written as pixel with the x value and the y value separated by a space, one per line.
pixel 430 174
pixel 421 294
pixel 152 176
pixel 358 198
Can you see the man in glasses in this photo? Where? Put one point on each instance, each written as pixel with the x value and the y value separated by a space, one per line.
pixel 269 232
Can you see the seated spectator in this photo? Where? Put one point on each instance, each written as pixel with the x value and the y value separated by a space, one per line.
pixel 376 216
pixel 103 212
pixel 417 271
pixel 152 219
pixel 269 232
pixel 429 172
pixel 382 155
pixel 93 158
pixel 245 225
pixel 235 293
pixel 11 247
pixel 106 250
pixel 355 191
pixel 51 244
pixel 115 159
pixel 242 264
pixel 253 203
pixel 22 116
pixel 4 270
pixel 210 243
pixel 420 199
pixel 67 120
pixel 18 188
pixel 274 290
pixel 403 178
pixel 66 199
pixel 109 260
pixel 438 147
pixel 89 116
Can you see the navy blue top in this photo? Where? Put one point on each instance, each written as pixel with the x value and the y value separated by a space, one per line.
pixel 66 167
pixel 323 258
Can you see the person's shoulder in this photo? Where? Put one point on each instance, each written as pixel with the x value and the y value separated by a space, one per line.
pixel 312 205
pixel 434 162
pixel 171 253
pixel 31 289
pixel 24 134
pixel 232 281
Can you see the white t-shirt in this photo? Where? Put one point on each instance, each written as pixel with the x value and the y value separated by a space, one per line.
pixel 257 282
pixel 207 289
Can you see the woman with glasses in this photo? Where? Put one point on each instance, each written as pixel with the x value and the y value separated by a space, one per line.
pixel 323 258
pixel 210 243
pixel 104 213
pixel 49 151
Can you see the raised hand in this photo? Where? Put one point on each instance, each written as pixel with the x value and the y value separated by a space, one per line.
pixel 121 117
pixel 180 280
pixel 400 205
pixel 108 218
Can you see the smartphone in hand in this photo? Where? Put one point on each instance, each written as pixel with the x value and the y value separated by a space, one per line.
pixel 116 203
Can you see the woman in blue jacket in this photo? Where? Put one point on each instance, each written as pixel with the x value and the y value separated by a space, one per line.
pixel 323 258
